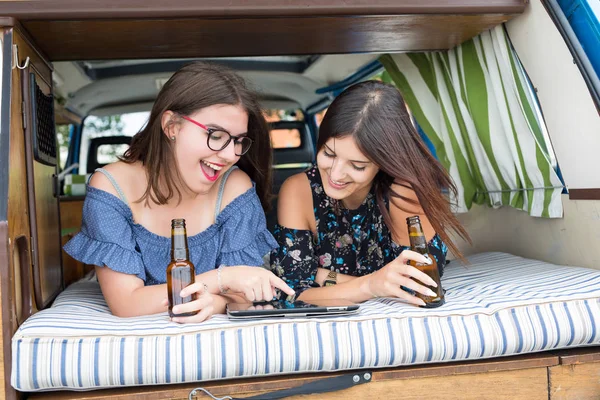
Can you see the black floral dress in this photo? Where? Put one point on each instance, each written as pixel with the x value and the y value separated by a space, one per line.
pixel 352 242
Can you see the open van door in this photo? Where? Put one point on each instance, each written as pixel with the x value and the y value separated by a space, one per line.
pixel 42 184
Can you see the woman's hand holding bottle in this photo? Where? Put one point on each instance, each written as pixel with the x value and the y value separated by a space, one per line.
pixel 203 306
pixel 387 281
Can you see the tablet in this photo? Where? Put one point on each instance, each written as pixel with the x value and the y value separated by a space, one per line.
pixel 286 309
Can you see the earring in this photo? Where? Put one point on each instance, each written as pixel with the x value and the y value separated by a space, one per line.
pixel 173 138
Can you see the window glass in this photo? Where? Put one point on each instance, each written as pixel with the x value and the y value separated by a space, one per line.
pixel 579 21
pixel 285 138
pixel 282 138
pixel 62 136
pixel 112 125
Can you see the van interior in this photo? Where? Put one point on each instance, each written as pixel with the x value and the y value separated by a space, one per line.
pixel 79 80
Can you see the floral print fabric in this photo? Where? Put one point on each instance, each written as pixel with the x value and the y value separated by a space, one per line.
pixel 352 242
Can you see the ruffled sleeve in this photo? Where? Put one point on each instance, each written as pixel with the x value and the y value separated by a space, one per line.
pixel 245 239
pixel 295 260
pixel 106 237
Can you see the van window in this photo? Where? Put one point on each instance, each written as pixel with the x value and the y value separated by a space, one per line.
pixel 63 133
pixel 579 23
pixel 120 125
pixel 284 138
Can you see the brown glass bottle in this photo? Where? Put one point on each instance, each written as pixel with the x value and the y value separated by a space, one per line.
pixel 180 272
pixel 418 243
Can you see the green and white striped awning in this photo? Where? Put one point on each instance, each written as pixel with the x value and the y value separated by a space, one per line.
pixel 475 104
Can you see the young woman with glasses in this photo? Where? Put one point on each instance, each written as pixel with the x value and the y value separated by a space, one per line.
pixel 342 224
pixel 203 156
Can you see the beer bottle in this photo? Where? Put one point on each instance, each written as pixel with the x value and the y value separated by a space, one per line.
pixel 418 243
pixel 180 272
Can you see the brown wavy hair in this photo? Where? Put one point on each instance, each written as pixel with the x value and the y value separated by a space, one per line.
pixel 375 115
pixel 193 87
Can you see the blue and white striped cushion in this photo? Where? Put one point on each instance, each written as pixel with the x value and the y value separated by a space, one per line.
pixel 499 305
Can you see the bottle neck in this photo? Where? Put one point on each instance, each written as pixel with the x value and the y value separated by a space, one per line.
pixel 418 243
pixel 179 247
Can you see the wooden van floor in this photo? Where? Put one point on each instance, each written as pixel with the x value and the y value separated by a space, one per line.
pixel 556 375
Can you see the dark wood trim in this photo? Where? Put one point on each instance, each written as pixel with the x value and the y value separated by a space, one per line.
pixel 579 355
pixel 206 37
pixel 62 116
pixel 26 37
pixel 8 322
pixel 7 22
pixel 68 9
pixel 67 199
pixel 8 225
pixel 5 89
pixel 469 367
pixel 584 194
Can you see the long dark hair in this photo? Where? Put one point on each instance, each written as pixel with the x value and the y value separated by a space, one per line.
pixel 195 86
pixel 375 115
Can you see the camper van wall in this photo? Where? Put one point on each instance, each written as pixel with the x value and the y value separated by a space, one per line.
pixel 573 124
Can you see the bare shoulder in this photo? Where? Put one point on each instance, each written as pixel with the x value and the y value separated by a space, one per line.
pixel 296 187
pixel 295 205
pixel 408 193
pixel 238 183
pixel 126 175
pixel 401 209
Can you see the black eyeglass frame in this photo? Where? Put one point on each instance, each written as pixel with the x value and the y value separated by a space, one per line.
pixel 236 139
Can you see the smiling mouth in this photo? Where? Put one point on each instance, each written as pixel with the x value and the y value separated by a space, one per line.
pixel 210 170
pixel 336 184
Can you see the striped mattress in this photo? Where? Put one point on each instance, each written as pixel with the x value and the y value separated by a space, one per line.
pixel 499 305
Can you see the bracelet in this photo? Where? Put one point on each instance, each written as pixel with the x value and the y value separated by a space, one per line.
pixel 219 282
pixel 331 279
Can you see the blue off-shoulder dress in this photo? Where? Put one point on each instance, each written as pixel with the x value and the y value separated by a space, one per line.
pixel 110 237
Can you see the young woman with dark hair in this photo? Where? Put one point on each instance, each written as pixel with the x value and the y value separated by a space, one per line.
pixel 183 164
pixel 344 221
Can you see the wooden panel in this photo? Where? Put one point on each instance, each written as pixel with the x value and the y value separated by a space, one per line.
pixel 528 384
pixel 470 367
pixel 68 9
pixel 70 222
pixel 579 356
pixel 493 373
pixel 49 268
pixel 71 212
pixel 104 39
pixel 581 382
pixel 7 22
pixel 62 116
pixel 584 194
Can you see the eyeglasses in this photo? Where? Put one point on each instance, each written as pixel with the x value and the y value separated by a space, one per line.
pixel 219 139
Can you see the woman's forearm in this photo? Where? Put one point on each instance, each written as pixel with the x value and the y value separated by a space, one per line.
pixel 144 300
pixel 354 289
pixel 322 276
